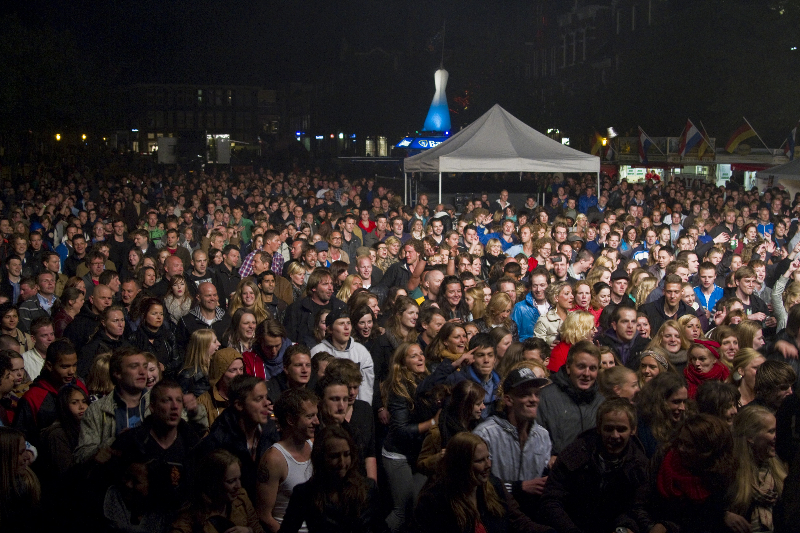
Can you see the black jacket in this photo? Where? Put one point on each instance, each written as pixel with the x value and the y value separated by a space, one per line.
pixel 404 436
pixel 657 317
pixel 396 275
pixel 434 514
pixel 583 496
pixel 162 343
pixel 170 474
pixel 299 321
pixel 628 352
pixel 81 330
pixel 100 343
pixel 190 322
pixel 227 281
pixel 332 520
pixel 225 433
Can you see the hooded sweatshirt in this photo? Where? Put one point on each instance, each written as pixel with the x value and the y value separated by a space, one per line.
pixel 258 365
pixel 214 403
pixel 359 355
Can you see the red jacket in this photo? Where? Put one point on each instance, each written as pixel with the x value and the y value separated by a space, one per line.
pixel 558 356
pixel 38 408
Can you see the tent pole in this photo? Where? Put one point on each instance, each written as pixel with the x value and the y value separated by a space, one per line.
pixel 598 184
pixel 520 177
pixel 440 187
pixel 405 188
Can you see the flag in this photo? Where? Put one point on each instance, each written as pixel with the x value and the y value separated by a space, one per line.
pixel 611 154
pixel 597 143
pixel 704 145
pixel 789 144
pixel 745 132
pixel 690 138
pixel 644 144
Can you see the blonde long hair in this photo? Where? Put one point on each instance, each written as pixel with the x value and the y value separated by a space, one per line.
pixel 402 381
pixel 197 357
pixel 747 424
pixel 478 307
pixel 642 291
pixel 500 302
pixel 258 308
pixel 576 327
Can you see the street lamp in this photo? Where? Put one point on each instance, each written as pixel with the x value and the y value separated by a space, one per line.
pixel 83 136
pixel 58 136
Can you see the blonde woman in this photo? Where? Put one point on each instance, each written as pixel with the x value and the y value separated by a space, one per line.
pixel 760 474
pixel 578 326
pixel 393 249
pixel 750 334
pixel 598 274
pixel 786 293
pixel 745 364
pixel 606 262
pixel 351 284
pixel 691 327
pixel 671 338
pixel 248 296
pixel 497 314
pixel 561 300
pixel 637 276
pixel 475 300
pixel 297 276
pixel 642 290
pixel 193 378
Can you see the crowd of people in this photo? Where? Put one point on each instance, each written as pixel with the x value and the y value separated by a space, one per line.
pixel 263 352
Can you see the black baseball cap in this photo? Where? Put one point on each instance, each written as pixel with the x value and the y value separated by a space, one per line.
pixel 521 377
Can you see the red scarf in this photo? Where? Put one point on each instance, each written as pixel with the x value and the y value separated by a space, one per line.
pixel 694 379
pixel 674 481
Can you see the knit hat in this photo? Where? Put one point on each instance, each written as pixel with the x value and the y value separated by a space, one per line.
pixel 335 315
pixel 220 361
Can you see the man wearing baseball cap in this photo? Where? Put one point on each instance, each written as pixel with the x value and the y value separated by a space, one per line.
pixel 520 447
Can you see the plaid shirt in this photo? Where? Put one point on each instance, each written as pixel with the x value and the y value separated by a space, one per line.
pixel 247 265
pixel 277 263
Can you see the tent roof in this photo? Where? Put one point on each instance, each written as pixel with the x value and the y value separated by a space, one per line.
pixel 500 142
pixel 786 171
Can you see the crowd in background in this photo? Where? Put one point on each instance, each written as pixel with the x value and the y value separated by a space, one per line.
pixel 263 351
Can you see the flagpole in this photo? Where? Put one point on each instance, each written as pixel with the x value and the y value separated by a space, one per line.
pixel 654 143
pixel 757 135
pixel 705 135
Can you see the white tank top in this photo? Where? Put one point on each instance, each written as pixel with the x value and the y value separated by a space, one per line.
pixel 297 473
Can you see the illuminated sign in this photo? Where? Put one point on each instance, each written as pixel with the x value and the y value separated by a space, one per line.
pixel 420 143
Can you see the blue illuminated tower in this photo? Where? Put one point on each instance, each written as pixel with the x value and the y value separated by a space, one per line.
pixel 438 118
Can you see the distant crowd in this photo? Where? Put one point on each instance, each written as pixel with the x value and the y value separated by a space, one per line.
pixel 264 352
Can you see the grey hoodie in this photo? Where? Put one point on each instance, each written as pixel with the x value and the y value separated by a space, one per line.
pixel 358 354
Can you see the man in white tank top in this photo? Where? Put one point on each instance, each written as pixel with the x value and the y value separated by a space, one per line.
pixel 288 462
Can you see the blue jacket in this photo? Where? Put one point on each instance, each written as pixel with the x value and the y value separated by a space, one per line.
pixel 525 315
pixel 585 202
pixel 499 236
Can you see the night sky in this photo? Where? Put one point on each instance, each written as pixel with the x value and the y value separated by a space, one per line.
pixel 379 56
pixel 371 63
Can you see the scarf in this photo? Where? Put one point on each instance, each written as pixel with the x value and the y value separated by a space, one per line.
pixel 694 379
pixel 677 358
pixel 675 481
pixel 764 498
pixel 450 355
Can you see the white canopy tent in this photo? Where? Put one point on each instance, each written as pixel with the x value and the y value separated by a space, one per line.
pixel 787 175
pixel 500 142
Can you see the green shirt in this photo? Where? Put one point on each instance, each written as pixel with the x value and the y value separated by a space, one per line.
pixel 247 228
